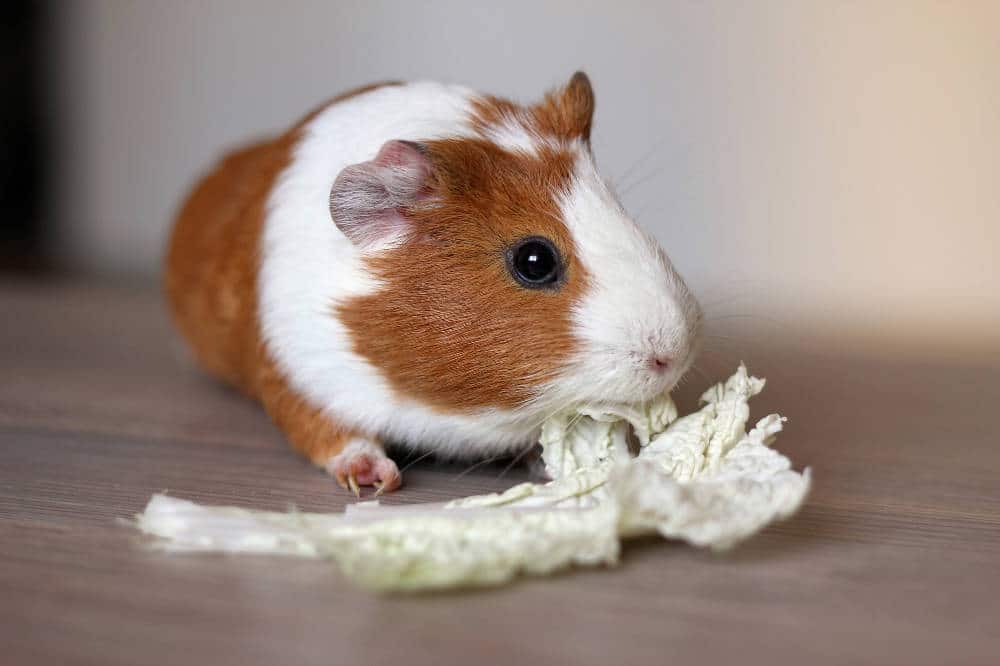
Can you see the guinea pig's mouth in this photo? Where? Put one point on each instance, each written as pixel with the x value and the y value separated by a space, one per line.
pixel 612 375
pixel 640 380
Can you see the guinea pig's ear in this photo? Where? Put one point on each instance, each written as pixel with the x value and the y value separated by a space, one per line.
pixel 368 199
pixel 578 100
pixel 569 111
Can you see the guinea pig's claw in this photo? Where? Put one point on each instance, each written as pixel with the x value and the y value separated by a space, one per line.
pixel 364 465
pixel 353 484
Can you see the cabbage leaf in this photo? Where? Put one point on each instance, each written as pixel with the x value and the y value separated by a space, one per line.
pixel 701 478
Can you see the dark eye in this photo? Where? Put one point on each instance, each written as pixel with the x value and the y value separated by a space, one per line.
pixel 534 262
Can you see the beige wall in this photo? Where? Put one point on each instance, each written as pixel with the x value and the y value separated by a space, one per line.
pixel 829 167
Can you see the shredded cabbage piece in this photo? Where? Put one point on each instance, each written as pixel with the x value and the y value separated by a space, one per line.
pixel 700 478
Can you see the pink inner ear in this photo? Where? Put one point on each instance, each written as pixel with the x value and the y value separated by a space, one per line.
pixel 401 155
pixel 367 198
pixel 386 227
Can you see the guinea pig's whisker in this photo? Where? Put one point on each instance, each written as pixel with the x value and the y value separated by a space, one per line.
pixel 638 214
pixel 649 152
pixel 694 368
pixel 713 358
pixel 709 305
pixel 576 418
pixel 649 176
pixel 727 343
pixel 477 465
pixel 516 460
pixel 708 352
pixel 746 315
pixel 547 412
pixel 418 459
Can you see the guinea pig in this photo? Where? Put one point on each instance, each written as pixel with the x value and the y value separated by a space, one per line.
pixel 421 264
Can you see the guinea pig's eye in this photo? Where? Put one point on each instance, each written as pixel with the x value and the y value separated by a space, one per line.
pixel 534 262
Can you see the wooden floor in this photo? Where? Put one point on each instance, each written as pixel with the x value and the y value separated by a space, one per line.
pixel 894 559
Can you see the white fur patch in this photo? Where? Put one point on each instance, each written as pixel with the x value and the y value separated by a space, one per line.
pixel 637 306
pixel 513 136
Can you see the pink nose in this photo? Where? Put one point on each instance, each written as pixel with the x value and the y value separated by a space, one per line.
pixel 660 362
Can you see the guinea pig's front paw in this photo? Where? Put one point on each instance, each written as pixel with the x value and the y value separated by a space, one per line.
pixel 364 463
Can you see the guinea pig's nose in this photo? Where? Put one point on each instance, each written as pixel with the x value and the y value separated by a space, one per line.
pixel 660 362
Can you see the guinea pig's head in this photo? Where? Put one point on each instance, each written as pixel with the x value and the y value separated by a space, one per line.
pixel 507 274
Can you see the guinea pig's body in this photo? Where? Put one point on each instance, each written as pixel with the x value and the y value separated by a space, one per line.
pixel 420 264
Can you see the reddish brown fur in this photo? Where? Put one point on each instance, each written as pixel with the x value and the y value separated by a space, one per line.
pixel 211 273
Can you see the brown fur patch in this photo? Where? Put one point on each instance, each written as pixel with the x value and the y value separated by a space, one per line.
pixel 211 285
pixel 451 327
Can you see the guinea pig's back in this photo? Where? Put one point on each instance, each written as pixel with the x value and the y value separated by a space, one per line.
pixel 233 228
pixel 211 263
pixel 213 257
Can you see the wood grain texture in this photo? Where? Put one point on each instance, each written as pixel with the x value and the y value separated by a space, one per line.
pixel 894 559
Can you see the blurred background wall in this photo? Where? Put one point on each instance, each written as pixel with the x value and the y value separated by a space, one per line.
pixel 832 168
